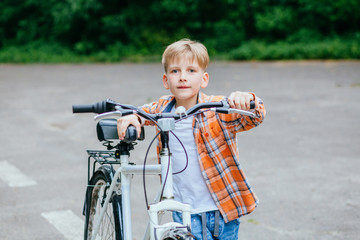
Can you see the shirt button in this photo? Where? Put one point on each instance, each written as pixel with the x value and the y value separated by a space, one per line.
pixel 206 134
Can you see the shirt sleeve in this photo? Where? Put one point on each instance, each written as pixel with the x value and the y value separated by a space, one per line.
pixel 151 109
pixel 238 123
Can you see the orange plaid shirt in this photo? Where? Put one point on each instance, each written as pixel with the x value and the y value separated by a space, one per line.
pixel 215 137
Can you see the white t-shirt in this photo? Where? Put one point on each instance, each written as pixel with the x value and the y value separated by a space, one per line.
pixel 189 186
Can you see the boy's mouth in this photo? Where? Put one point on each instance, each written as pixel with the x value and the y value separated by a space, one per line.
pixel 183 87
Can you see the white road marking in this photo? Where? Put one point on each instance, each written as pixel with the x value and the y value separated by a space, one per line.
pixel 13 176
pixel 67 223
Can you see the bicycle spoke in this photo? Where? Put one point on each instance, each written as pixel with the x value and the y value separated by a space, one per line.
pixel 108 230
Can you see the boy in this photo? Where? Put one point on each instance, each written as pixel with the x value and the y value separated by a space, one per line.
pixel 213 182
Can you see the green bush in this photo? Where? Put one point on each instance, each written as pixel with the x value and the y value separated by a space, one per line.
pixel 114 30
pixel 39 52
pixel 327 49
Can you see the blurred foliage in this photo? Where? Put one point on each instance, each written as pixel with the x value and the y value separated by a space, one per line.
pixel 113 30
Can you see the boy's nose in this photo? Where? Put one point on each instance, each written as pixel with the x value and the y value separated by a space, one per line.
pixel 183 76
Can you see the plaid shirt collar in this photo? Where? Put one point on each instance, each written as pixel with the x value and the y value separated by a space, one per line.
pixel 201 99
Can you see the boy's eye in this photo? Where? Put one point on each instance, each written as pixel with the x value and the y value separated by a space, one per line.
pixel 174 71
pixel 192 69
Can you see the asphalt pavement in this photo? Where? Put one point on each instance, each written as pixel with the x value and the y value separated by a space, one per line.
pixel 303 161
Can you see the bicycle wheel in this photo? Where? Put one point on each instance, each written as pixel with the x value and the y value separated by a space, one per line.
pixel 111 224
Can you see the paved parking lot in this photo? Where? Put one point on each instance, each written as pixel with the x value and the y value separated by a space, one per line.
pixel 303 161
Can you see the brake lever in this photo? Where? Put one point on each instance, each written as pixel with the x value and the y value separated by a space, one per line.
pixel 114 114
pixel 233 110
pixel 242 112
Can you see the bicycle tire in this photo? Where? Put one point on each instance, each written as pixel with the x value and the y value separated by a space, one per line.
pixel 111 226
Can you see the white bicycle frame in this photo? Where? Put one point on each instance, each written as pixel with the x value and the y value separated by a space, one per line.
pixel 154 229
pixel 125 171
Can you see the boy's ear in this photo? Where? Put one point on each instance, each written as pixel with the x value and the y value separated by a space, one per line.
pixel 165 81
pixel 205 80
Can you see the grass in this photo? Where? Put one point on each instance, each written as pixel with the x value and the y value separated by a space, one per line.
pixel 328 49
pixel 40 52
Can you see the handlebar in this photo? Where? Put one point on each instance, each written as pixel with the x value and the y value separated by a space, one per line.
pixel 221 107
pixel 111 109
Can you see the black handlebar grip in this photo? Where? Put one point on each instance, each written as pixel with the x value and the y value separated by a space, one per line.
pixel 252 104
pixel 131 134
pixel 99 107
pixel 83 108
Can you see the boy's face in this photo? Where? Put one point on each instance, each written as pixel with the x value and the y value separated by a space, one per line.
pixel 184 78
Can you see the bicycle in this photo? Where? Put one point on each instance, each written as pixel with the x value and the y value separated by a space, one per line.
pixel 107 207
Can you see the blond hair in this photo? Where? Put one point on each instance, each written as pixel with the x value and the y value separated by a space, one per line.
pixel 186 48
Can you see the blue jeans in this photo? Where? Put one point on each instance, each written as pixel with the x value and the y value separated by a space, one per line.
pixel 227 231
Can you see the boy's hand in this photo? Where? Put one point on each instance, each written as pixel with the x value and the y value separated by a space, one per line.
pixel 241 100
pixel 124 122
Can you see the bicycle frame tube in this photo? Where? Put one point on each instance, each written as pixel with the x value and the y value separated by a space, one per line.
pixel 125 197
pixel 166 174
